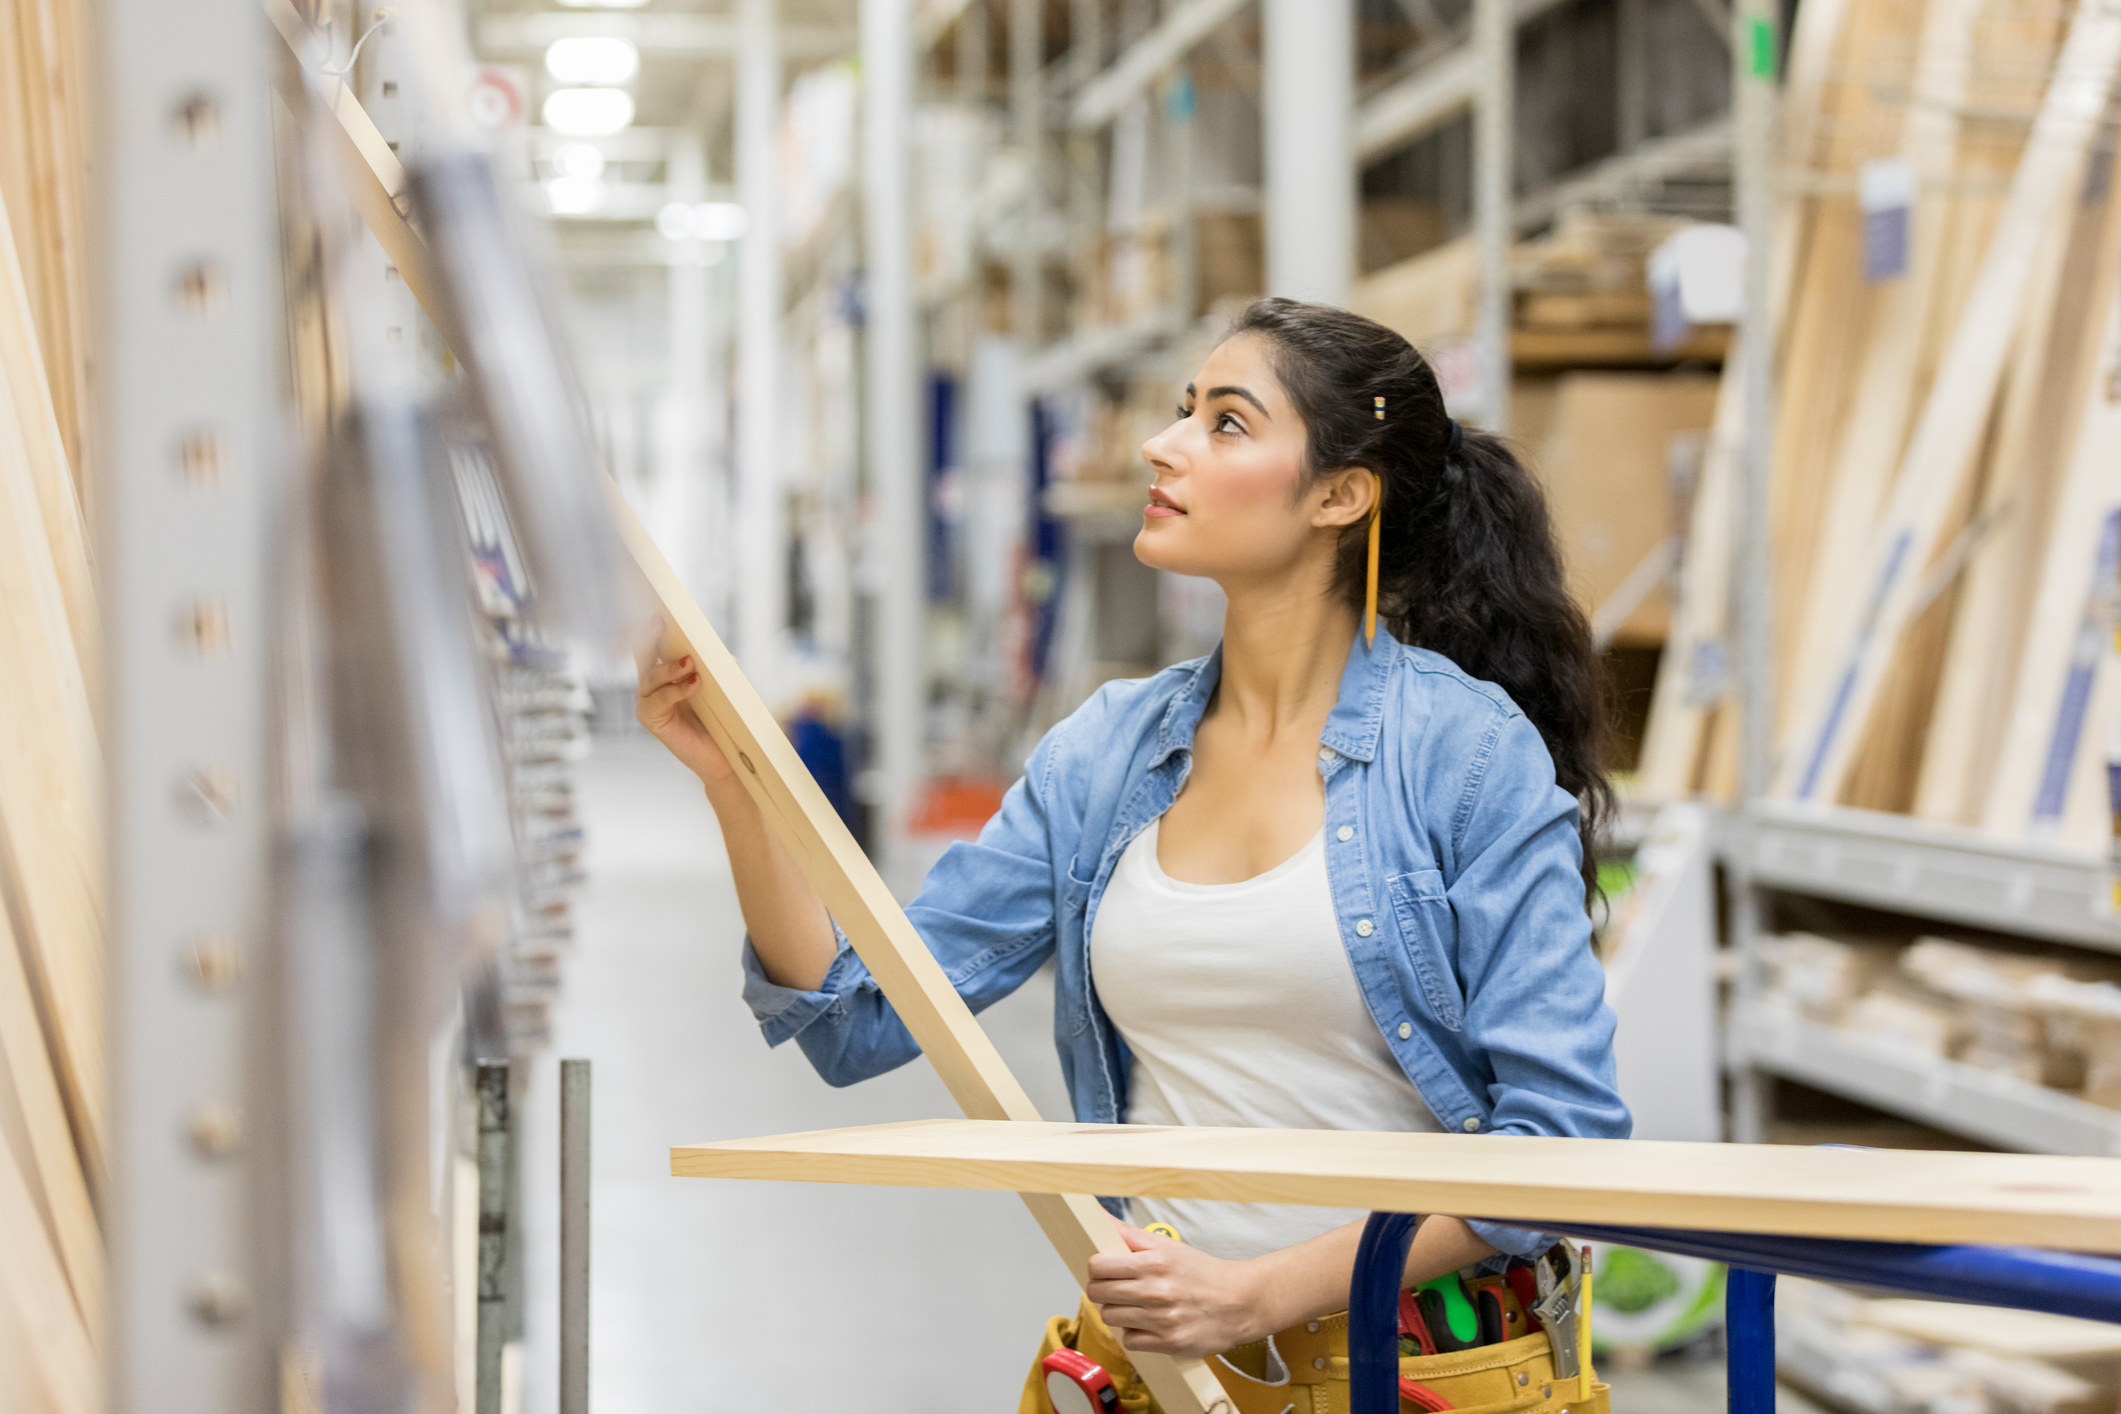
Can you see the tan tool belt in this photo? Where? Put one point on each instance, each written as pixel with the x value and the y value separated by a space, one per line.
pixel 1304 1370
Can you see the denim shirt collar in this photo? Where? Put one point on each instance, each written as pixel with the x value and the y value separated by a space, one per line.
pixel 1351 728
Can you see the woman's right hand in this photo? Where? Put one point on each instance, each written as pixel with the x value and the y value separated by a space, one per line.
pixel 661 705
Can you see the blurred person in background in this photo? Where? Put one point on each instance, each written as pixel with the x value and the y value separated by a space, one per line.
pixel 1335 875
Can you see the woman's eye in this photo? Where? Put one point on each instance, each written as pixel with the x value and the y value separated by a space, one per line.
pixel 1228 423
pixel 1184 412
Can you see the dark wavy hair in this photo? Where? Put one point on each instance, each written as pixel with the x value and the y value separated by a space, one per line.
pixel 1468 566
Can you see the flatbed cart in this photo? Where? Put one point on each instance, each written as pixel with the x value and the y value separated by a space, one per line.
pixel 2030 1279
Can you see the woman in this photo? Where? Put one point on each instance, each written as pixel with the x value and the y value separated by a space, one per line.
pixel 1318 879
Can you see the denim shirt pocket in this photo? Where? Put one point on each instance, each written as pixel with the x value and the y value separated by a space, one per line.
pixel 1427 931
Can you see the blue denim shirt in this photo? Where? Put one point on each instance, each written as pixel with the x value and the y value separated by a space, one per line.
pixel 1453 858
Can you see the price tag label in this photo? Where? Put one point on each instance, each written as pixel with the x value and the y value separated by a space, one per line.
pixel 1886 190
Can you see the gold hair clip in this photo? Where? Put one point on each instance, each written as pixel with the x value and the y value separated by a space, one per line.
pixel 1380 407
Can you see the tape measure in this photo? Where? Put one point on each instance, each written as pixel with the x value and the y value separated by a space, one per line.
pixel 1076 1384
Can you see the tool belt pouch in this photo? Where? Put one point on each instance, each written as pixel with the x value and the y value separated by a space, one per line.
pixel 1304 1370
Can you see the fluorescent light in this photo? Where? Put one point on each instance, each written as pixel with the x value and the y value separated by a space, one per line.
pixel 588 112
pixel 592 58
pixel 602 4
pixel 720 221
pixel 574 196
pixel 704 221
pixel 580 160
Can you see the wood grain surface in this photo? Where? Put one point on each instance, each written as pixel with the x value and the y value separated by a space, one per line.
pixel 1881 1194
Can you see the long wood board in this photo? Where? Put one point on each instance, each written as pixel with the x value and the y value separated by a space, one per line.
pixel 796 809
pixel 912 980
pixel 2033 1200
pixel 1946 438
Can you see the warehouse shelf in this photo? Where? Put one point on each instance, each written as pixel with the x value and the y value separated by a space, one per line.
pixel 1947 873
pixel 1981 1104
pixel 1098 348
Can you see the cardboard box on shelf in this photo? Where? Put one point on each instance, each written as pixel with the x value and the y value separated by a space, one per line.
pixel 1607 460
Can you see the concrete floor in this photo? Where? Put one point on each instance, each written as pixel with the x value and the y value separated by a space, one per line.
pixel 729 1298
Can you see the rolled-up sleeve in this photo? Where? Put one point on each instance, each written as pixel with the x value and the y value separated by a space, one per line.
pixel 986 911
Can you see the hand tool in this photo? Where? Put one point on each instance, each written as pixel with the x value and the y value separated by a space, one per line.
pixel 1559 1270
pixel 1076 1384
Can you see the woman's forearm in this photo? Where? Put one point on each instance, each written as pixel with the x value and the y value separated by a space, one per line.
pixel 1311 1279
pixel 789 926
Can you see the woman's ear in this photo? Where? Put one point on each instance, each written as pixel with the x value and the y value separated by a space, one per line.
pixel 1350 494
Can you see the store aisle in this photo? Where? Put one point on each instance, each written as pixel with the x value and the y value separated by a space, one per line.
pixel 726 1298
pixel 713 1298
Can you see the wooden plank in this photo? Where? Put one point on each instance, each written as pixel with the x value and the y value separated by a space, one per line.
pixel 47 1150
pixel 45 182
pixel 1942 449
pixel 912 980
pixel 1693 674
pixel 1871 439
pixel 375 179
pixel 52 1367
pixel 1695 670
pixel 22 371
pixel 2027 468
pixel 50 838
pixel 798 812
pixel 2035 1200
pixel 2049 722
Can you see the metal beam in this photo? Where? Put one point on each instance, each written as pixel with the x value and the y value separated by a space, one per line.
pixel 1428 96
pixel 658 36
pixel 1423 100
pixel 1143 61
pixel 1659 159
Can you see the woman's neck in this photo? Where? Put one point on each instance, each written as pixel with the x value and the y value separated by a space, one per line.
pixel 1283 655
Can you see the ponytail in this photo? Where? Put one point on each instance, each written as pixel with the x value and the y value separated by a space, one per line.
pixel 1468 567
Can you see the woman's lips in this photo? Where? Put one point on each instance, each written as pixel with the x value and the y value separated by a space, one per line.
pixel 1161 505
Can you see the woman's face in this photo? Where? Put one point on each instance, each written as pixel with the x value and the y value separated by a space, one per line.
pixel 1224 504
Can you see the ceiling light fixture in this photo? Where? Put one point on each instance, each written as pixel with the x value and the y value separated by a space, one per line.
pixel 592 58
pixel 702 221
pixel 602 4
pixel 588 112
pixel 574 196
pixel 580 160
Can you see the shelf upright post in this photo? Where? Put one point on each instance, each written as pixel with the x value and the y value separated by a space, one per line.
pixel 1027 54
pixel 897 538
pixel 762 539
pixel 1754 55
pixel 1494 141
pixel 187 277
pixel 1307 117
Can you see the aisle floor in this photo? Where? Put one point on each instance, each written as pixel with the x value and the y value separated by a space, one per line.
pixel 727 1298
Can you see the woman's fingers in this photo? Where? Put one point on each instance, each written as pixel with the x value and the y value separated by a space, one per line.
pixel 658 674
pixel 660 702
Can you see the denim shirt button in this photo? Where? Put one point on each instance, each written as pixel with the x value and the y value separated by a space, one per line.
pixel 1472 1124
pixel 1327 753
pixel 1365 928
pixel 1344 833
pixel 1406 1029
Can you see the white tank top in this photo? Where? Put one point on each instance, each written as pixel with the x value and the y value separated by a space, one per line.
pixel 1241 1008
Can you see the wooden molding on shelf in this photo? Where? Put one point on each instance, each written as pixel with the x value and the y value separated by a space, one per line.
pixel 1883 1195
pixel 794 807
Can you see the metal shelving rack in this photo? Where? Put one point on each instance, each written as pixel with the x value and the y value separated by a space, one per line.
pixel 187 480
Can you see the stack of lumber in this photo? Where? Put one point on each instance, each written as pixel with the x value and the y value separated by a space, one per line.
pixel 1885 1355
pixel 52 1111
pixel 1580 296
pixel 1943 474
pixel 2053 1021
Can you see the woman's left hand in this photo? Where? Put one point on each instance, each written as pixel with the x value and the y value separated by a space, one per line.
pixel 1166 1297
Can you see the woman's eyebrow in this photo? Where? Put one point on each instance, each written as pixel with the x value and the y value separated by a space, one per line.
pixel 1227 391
